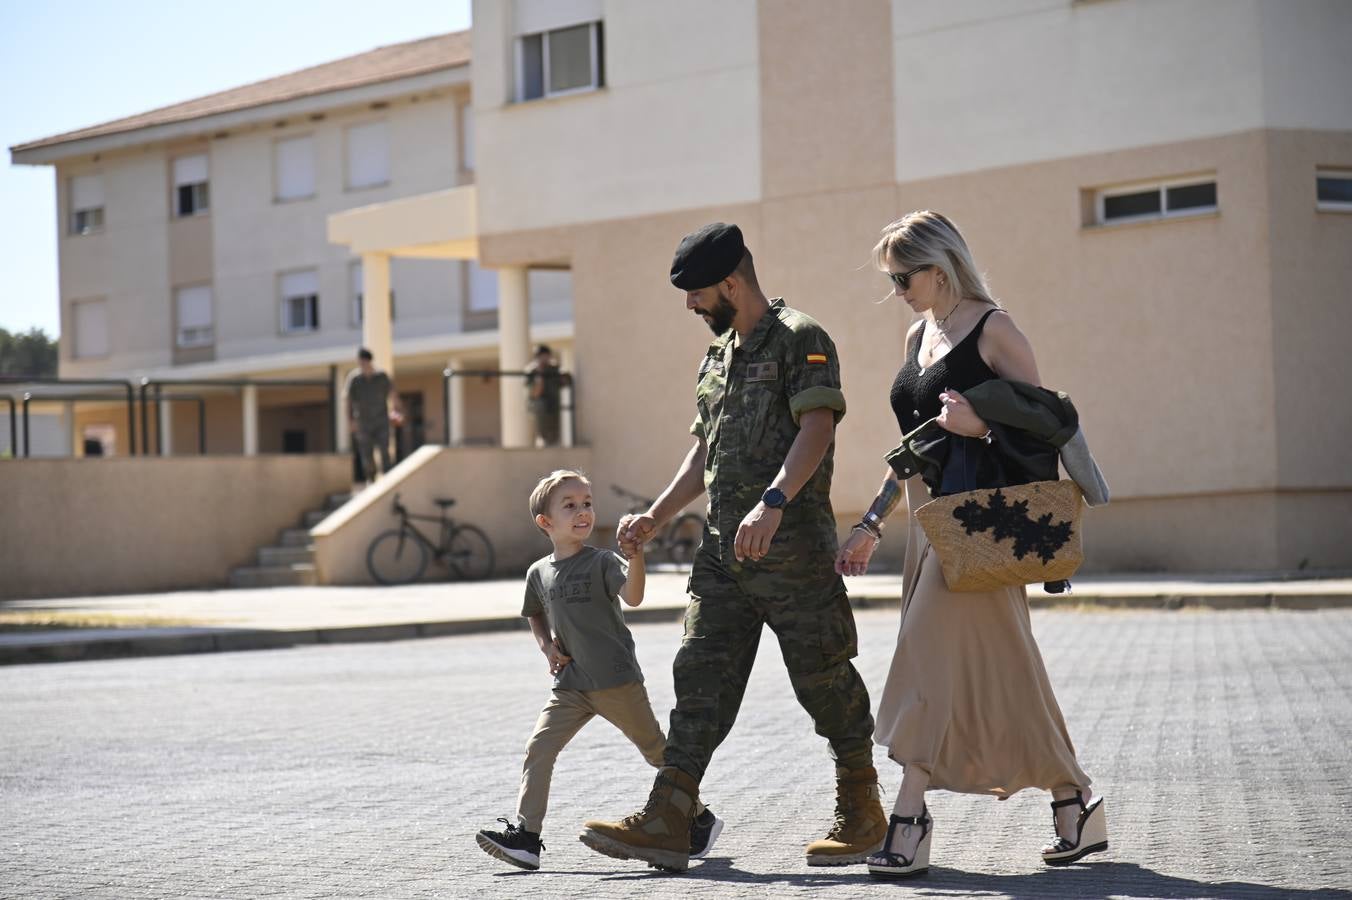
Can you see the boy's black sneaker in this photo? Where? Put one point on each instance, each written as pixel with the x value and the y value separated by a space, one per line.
pixel 514 845
pixel 704 830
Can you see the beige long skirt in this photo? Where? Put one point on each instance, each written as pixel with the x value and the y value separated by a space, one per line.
pixel 967 697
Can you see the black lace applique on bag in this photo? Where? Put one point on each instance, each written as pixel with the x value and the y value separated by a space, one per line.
pixel 1011 520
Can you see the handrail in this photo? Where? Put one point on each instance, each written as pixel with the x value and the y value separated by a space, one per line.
pixel 18 380
pixel 448 373
pixel 159 383
pixel 29 398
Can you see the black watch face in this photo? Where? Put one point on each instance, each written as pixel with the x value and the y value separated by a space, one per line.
pixel 774 498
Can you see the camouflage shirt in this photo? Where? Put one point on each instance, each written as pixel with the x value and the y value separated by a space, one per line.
pixel 750 399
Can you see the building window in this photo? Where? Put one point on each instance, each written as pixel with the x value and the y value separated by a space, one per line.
pixel 300 301
pixel 86 204
pixel 294 168
pixel 192 306
pixel 562 61
pixel 191 195
pixel 1333 188
pixel 91 328
pixel 483 289
pixel 1160 200
pixel 368 155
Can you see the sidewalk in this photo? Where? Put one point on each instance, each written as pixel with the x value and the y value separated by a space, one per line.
pixel 266 618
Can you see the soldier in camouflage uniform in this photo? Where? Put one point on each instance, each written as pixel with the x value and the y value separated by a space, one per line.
pixel 768 397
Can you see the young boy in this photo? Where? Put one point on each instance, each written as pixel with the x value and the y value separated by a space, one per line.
pixel 576 591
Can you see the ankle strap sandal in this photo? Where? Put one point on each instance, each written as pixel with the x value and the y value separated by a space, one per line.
pixel 888 864
pixel 1091 832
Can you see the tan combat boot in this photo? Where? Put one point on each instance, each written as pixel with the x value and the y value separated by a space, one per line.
pixel 659 834
pixel 860 825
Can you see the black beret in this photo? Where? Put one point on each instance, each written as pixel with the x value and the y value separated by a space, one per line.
pixel 707 256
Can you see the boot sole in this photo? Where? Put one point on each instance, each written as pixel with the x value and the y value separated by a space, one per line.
pixel 497 852
pixel 666 860
pixel 842 859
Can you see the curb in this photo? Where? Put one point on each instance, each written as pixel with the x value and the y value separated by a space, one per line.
pixel 234 640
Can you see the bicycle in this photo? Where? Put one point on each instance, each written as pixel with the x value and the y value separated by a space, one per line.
pixel 400 555
pixel 678 539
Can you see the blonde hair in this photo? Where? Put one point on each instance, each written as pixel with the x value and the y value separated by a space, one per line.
pixel 928 238
pixel 544 491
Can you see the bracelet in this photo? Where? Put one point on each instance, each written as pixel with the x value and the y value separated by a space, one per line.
pixel 869 530
pixel 985 437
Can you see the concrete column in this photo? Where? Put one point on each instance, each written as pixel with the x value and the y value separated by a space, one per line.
pixel 513 353
pixel 250 398
pixel 344 435
pixel 456 397
pixel 375 326
pixel 75 444
pixel 167 426
pixel 568 362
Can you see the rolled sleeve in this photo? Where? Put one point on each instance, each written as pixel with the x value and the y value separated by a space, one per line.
pixel 814 374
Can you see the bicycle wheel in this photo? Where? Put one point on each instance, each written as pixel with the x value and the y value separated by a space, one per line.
pixel 470 553
pixel 684 539
pixel 396 557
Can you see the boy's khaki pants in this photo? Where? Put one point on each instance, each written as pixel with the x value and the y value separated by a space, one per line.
pixel 626 707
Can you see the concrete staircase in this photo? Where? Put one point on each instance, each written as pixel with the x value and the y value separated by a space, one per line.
pixel 290 561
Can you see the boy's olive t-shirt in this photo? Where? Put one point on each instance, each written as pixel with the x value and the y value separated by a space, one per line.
pixel 580 598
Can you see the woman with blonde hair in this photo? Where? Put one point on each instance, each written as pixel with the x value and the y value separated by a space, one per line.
pixel 967 706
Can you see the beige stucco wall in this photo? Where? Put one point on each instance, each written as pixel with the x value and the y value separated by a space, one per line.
pixel 491 488
pixel 676 126
pixel 73 527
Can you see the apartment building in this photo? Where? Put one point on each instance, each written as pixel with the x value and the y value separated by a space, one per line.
pixel 1159 193
pixel 193 248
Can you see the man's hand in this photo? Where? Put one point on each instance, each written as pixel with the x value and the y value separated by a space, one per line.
pixel 557 658
pixel 633 532
pixel 756 532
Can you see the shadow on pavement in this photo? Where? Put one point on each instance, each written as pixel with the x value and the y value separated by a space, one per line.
pixel 1096 881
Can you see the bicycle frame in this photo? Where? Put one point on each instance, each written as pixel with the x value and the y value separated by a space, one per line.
pixel 438 549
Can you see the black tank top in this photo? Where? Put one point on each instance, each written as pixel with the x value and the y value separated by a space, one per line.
pixel 915 392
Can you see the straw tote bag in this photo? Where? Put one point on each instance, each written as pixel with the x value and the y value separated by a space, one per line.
pixel 1007 536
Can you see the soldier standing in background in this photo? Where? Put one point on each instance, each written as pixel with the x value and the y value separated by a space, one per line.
pixel 371 402
pixel 769 398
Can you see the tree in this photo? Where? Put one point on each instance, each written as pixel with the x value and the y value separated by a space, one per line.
pixel 27 353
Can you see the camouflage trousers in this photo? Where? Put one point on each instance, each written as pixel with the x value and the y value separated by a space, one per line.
pixel 817 638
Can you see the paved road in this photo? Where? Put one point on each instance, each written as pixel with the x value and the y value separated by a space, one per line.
pixel 1220 739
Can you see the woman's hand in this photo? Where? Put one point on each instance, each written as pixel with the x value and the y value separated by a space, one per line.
pixel 958 417
pixel 854 554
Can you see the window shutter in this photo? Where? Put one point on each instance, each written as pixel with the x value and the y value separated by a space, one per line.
pixel 190 169
pixel 86 192
pixel 91 328
pixel 194 307
pixel 295 168
pixel 300 284
pixel 368 155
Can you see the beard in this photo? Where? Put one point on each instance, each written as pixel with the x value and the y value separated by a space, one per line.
pixel 719 319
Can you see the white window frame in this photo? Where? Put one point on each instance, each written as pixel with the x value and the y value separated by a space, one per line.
pixel 284 304
pixel 347 156
pixel 93 213
pixel 1102 194
pixel 592 30
pixel 276 169
pixel 202 335
pixel 75 345
pixel 201 191
pixel 1331 172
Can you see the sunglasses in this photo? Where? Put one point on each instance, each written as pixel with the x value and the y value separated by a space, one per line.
pixel 903 279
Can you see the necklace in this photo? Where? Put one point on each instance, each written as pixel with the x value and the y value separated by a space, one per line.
pixel 939 324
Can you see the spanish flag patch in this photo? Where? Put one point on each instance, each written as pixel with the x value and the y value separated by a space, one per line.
pixel 816 359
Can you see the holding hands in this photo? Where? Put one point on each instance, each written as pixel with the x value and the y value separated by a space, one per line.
pixel 633 532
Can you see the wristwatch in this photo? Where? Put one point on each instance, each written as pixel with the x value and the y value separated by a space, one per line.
pixel 774 498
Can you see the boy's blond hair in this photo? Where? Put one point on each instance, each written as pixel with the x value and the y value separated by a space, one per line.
pixel 544 491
